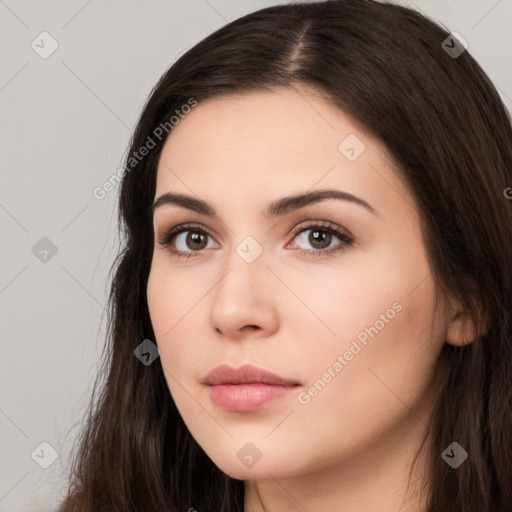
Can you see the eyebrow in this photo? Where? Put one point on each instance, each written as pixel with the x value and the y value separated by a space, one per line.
pixel 277 208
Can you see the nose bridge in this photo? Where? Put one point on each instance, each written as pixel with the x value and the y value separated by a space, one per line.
pixel 246 267
pixel 247 247
pixel 243 295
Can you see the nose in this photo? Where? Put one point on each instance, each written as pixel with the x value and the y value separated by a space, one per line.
pixel 243 301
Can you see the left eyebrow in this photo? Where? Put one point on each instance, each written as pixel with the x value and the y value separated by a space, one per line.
pixel 277 208
pixel 287 204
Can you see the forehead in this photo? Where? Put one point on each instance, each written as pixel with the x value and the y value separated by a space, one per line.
pixel 242 146
pixel 288 121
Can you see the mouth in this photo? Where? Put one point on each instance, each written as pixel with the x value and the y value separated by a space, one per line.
pixel 247 388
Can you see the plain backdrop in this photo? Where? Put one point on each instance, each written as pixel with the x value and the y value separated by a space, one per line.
pixel 66 119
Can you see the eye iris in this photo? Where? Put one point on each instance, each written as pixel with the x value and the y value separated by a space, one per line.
pixel 317 235
pixel 195 237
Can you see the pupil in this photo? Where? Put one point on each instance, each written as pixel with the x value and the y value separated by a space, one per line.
pixel 196 238
pixel 322 236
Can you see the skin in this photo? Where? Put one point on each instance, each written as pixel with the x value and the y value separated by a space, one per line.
pixel 351 446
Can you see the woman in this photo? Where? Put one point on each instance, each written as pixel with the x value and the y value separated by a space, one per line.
pixel 312 307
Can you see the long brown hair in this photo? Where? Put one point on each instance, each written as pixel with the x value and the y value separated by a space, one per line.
pixel 448 132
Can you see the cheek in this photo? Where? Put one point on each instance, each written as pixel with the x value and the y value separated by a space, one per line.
pixel 160 301
pixel 174 305
pixel 385 384
pixel 381 314
pixel 164 309
pixel 387 358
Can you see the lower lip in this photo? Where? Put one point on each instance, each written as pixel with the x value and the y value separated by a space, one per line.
pixel 247 397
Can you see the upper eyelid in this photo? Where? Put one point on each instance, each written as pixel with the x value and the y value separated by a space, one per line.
pixel 326 224
pixel 303 225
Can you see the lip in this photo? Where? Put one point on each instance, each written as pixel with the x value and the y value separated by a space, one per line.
pixel 246 388
pixel 246 374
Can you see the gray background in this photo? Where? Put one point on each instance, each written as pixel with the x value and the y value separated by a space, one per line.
pixel 65 126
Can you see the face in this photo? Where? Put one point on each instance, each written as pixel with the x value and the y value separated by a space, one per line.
pixel 333 294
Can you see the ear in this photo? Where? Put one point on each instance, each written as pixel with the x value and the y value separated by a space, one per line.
pixel 461 328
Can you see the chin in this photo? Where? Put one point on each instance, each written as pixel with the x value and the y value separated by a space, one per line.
pixel 247 464
pixel 258 472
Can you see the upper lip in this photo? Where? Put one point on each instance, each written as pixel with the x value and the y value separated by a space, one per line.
pixel 245 374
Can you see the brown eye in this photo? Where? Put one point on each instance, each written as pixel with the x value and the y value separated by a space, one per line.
pixel 320 237
pixel 185 240
pixel 195 240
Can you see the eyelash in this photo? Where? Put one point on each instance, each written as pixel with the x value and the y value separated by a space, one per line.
pixel 323 226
